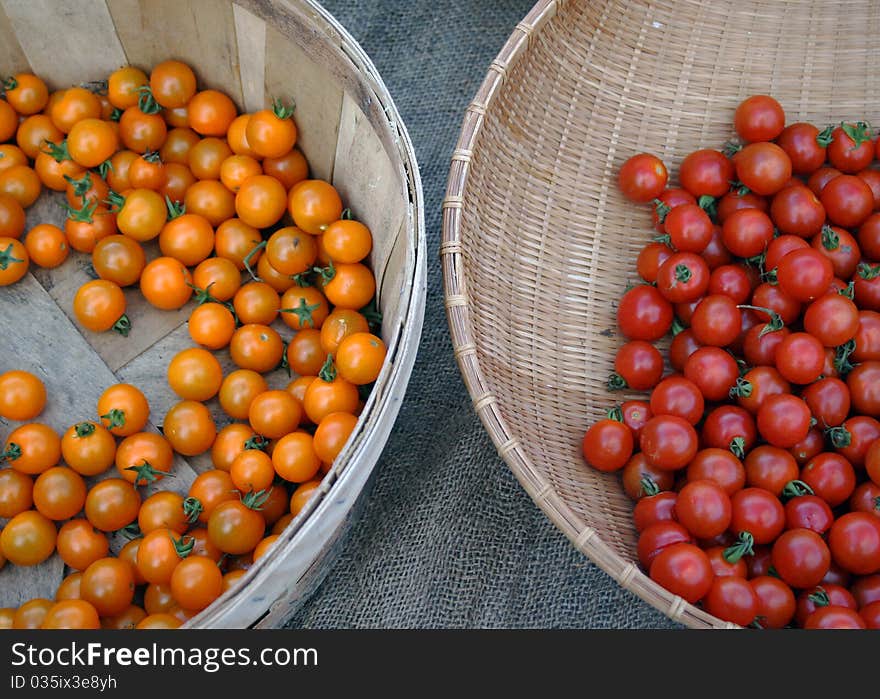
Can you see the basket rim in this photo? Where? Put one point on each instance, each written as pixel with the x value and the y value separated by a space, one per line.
pixel 458 312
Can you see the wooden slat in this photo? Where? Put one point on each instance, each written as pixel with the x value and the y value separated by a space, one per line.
pixel 250 36
pixel 199 32
pixel 66 43
pixel 12 58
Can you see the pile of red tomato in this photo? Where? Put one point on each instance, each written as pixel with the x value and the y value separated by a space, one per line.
pixel 755 463
pixel 147 162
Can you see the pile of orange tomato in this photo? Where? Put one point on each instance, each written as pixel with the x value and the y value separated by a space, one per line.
pixel 243 231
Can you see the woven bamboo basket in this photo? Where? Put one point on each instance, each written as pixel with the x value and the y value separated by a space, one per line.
pixel 351 134
pixel 538 244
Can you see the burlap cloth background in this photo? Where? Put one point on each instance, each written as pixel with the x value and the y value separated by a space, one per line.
pixel 448 538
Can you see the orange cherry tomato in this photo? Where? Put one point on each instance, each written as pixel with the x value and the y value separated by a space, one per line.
pixel 210 489
pixel 123 409
pixel 160 552
pixel 360 357
pixel 119 259
pixel 80 544
pixel 128 553
pixel 112 504
pixel 352 286
pixel 21 183
pixel 143 215
pixel 92 141
pixel 11 155
pixel 252 470
pixel 88 448
pixel 84 229
pixel 99 305
pixel 314 205
pixel 16 492
pixel 32 448
pixel 53 165
pixel 22 395
pixel 172 84
pixel 210 199
pixel 75 105
pixel 89 190
pixel 47 245
pixel 8 121
pixel 195 374
pixel 206 157
pixel 256 347
pixel 295 459
pixel 202 545
pixel 188 238
pixel 291 251
pixel 211 325
pixel 159 621
pixel 238 391
pixel 260 201
pixel 235 240
pixel 144 457
pixel 304 307
pixel 301 496
pixel 347 241
pixel 59 493
pixel 236 169
pixel 69 587
pixel 231 441
pixel 124 85
pixel 236 526
pixel 120 164
pixel 178 180
pixel 290 169
pixel 158 599
pixel 128 618
pixel 324 397
pixel 341 323
pixel 236 136
pixel 163 510
pixel 177 118
pixel 31 614
pixel 142 132
pixel 28 539
pixel 178 144
pixel 33 132
pixel 230 579
pixel 72 614
pixel 297 388
pixel 272 277
pixel 165 283
pixel 196 582
pixel 147 172
pixel 271 133
pixel 218 277
pixel 211 112
pixel 256 302
pixel 305 356
pixel 190 428
pixel 12 218
pixel 108 584
pixel 274 414
pixel 26 93
pixel 264 546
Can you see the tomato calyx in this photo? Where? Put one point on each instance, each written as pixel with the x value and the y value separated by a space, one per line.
pixel 677 326
pixel 192 508
pixel 10 83
pixel 849 291
pixel 131 531
pixel 256 442
pixel 123 325
pixel 116 114
pixel 744 546
pixel 824 138
pixel 85 214
pixel 739 188
pixel 183 546
pixel 842 354
pixel 647 487
pixel 682 274
pixel 757 622
pixel 304 312
pixel 742 388
pixel 80 186
pixel 115 418
pixel 775 323
pixel 707 203
pixel 860 132
pixel 616 382
pixel 795 489
pixel 839 437
pixel 346 215
pixel 280 110
pixel 302 279
pixel 731 148
pixel 145 473
pixel 615 413
pixel 325 274
pixel 57 151
pixel 105 168
pixel 374 315
pixel 83 429
pixel 819 597
pixel 830 239
pixel 328 371
pixel 661 209
pixel 11 453
pixel 146 102
pixel 7 258
pixel 255 500
pixel 175 208
pixel 867 271
pixel 250 256
pixel 114 201
pixel 738 447
pixel 152 156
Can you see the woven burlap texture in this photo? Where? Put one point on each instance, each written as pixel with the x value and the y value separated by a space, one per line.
pixel 448 538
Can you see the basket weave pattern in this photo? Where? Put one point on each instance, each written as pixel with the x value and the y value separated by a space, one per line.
pixel 538 244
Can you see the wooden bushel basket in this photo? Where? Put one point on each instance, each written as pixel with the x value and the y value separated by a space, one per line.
pixel 351 134
pixel 538 242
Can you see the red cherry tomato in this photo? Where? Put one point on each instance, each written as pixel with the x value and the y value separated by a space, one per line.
pixel 642 177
